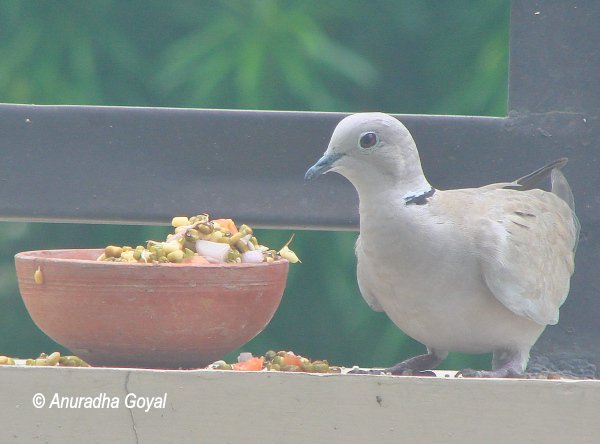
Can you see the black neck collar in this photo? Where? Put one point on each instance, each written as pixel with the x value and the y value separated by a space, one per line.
pixel 419 199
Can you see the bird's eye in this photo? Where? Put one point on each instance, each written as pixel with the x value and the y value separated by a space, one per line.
pixel 368 140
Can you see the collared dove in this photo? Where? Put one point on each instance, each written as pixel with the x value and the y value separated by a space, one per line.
pixel 472 270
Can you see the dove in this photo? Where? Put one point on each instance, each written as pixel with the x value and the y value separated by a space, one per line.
pixel 474 270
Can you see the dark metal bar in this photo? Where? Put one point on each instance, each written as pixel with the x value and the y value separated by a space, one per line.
pixel 143 165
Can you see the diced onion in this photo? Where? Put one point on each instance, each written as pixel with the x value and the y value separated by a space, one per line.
pixel 252 256
pixel 244 356
pixel 216 251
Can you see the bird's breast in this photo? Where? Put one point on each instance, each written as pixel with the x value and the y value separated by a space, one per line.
pixel 432 288
pixel 420 267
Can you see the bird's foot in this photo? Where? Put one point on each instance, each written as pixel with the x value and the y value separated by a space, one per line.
pixel 362 371
pixel 505 364
pixel 416 366
pixel 503 372
pixel 390 371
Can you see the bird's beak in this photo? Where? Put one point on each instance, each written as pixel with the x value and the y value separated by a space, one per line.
pixel 324 164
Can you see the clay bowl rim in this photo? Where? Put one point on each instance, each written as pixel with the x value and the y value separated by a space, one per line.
pixel 39 256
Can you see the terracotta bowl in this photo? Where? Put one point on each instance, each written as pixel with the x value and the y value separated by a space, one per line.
pixel 144 315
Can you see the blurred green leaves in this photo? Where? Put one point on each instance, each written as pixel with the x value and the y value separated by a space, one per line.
pixel 54 52
pixel 399 56
pixel 257 54
pixel 394 56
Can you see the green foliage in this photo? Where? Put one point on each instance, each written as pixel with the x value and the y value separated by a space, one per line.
pixel 257 55
pixel 389 55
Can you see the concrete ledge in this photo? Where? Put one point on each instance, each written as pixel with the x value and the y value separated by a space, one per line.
pixel 262 407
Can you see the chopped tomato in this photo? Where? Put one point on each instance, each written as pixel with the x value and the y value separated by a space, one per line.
pixel 227 225
pixel 195 260
pixel 252 364
pixel 291 359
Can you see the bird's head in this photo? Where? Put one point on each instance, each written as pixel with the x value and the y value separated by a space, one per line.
pixel 369 147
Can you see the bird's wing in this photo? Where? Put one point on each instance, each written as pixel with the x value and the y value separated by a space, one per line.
pixel 525 241
pixel 362 275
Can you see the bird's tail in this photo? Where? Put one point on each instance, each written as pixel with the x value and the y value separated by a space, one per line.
pixel 532 179
pixel 561 188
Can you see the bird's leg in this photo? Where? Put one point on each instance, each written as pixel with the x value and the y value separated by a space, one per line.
pixel 411 365
pixel 505 364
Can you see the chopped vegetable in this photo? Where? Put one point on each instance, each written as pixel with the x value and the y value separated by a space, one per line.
pixel 253 256
pixel 291 359
pixel 214 241
pixel 212 250
pixel 252 364
pixel 195 260
pixel 285 361
pixel 227 224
